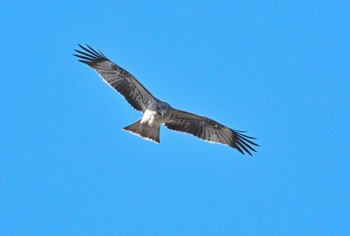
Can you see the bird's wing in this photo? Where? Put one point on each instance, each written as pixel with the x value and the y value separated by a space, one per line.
pixel 210 130
pixel 118 78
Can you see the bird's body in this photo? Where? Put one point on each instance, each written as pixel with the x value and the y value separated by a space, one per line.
pixel 157 112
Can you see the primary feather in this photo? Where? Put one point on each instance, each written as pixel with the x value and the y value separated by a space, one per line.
pixel 157 112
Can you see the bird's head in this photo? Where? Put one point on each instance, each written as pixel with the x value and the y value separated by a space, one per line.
pixel 162 108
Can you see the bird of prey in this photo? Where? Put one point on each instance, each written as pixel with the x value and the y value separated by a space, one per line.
pixel 157 112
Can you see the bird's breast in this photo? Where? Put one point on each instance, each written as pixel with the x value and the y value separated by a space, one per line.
pixel 152 117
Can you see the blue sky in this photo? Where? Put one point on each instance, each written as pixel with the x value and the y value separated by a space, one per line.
pixel 279 70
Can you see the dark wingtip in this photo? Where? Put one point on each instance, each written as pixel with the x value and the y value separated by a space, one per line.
pixel 81 46
pixel 88 55
pixel 243 143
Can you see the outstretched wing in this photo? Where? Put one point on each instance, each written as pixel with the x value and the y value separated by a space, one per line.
pixel 209 130
pixel 118 78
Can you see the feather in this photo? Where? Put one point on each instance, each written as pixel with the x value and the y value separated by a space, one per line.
pixel 214 132
pixel 142 100
pixel 118 78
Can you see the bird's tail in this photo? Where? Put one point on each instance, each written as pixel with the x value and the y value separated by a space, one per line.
pixel 144 130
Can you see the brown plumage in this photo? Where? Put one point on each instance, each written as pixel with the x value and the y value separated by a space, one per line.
pixel 157 112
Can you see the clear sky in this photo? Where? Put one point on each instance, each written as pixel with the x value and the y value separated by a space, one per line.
pixel 278 69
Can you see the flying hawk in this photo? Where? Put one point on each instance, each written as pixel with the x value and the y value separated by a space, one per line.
pixel 156 112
